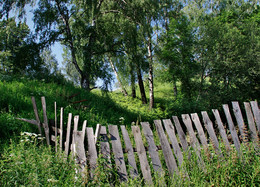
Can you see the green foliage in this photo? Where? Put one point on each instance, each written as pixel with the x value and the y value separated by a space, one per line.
pixel 177 53
pixel 28 164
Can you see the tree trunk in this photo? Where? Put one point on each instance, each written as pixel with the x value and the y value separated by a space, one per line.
pixel 85 84
pixel 150 79
pixel 132 80
pixel 141 85
pixel 175 90
pixel 118 79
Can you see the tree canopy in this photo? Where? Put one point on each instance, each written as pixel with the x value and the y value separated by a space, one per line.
pixel 209 48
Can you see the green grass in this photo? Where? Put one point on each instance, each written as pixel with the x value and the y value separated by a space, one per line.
pixel 34 164
pixel 30 163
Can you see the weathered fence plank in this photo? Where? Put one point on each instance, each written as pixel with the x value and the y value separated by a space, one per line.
pixel 167 152
pixel 251 121
pixel 203 139
pixel 84 130
pixel 193 140
pixel 130 153
pixel 142 155
pixel 152 148
pixel 78 150
pixel 256 113
pixel 104 144
pixel 221 129
pixel 118 152
pixel 171 133
pixel 240 121
pixel 45 119
pixel 97 133
pixel 61 126
pixel 55 123
pixel 92 152
pixel 81 159
pixel 232 127
pixel 210 129
pixel 75 129
pixel 180 133
pixel 36 115
pixel 67 143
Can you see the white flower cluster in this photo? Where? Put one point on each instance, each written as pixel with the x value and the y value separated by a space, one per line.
pixel 30 137
pixel 121 120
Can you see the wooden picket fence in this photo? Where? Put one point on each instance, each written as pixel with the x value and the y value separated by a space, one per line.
pixel 198 137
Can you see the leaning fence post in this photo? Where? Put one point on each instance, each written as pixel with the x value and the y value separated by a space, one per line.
pixel 45 119
pixel 36 115
pixel 97 133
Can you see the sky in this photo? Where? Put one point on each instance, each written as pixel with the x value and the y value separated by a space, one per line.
pixel 56 48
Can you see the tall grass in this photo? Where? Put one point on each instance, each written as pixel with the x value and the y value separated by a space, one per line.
pixel 230 170
pixel 29 163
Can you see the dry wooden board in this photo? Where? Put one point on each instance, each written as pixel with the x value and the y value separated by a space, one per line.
pixel 53 129
pixel 221 129
pixel 61 127
pixel 97 133
pixel 194 141
pixel 45 119
pixel 130 153
pixel 73 146
pixel 171 133
pixel 36 115
pixel 84 130
pixel 232 127
pixel 104 144
pixel 55 122
pixel 167 152
pixel 196 121
pixel 210 129
pixel 68 135
pixel 142 155
pixel 118 152
pixel 240 120
pixel 80 150
pixel 92 152
pixel 180 133
pixel 152 148
pixel 256 113
pixel 251 121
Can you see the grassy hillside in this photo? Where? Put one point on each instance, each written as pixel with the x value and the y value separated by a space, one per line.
pixel 100 107
pixel 24 160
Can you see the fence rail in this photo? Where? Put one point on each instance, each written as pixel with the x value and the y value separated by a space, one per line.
pixel 169 134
